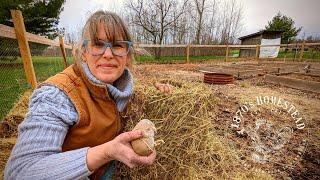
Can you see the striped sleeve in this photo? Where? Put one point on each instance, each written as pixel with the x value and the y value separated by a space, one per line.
pixel 38 151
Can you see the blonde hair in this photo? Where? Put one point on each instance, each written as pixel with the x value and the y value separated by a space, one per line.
pixel 114 27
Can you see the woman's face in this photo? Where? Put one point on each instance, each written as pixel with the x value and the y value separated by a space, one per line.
pixel 106 67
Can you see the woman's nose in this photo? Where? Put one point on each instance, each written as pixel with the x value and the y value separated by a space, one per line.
pixel 108 53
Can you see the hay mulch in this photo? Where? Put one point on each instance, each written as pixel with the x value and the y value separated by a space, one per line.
pixel 191 149
pixel 6 145
pixel 9 128
pixel 9 125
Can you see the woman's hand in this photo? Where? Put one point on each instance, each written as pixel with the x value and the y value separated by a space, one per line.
pixel 118 149
pixel 164 88
pixel 121 150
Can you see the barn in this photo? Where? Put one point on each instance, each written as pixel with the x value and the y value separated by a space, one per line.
pixel 258 38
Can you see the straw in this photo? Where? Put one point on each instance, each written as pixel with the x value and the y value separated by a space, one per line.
pixel 191 149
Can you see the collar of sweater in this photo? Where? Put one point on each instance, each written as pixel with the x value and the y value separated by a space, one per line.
pixel 120 90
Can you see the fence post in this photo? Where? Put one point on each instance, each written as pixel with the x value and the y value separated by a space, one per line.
pixel 20 31
pixel 63 51
pixel 302 50
pixel 227 53
pixel 188 53
pixel 257 51
pixel 137 55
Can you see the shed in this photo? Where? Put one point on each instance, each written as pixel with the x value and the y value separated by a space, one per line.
pixel 254 39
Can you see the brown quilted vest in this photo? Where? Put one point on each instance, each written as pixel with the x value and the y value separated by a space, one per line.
pixel 99 120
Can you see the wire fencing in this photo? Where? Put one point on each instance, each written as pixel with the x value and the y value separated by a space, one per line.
pixel 13 81
pixel 47 61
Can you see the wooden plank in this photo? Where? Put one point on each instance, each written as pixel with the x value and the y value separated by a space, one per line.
pixel 302 50
pixel 224 46
pixel 289 69
pixel 257 52
pixel 227 53
pixel 307 74
pixel 314 71
pixel 315 66
pixel 184 45
pixel 9 32
pixel 63 51
pixel 272 70
pixel 220 46
pixel 250 73
pixel 312 44
pixel 294 83
pixel 188 53
pixel 20 32
pixel 6 31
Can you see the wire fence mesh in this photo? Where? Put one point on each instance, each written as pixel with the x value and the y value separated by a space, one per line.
pixel 13 81
pixel 47 61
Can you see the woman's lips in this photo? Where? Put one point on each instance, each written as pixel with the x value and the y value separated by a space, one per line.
pixel 107 65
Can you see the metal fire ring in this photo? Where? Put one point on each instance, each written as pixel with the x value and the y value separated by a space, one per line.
pixel 217 78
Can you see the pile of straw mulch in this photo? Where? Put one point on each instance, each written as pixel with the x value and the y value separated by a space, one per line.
pixel 191 149
pixel 9 128
pixel 6 145
pixel 9 125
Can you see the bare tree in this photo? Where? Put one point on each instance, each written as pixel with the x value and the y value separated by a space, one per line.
pixel 200 8
pixel 230 21
pixel 155 17
pixel 203 21
pixel 184 21
pixel 209 24
pixel 181 26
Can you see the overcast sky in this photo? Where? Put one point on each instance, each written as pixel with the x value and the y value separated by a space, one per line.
pixel 257 13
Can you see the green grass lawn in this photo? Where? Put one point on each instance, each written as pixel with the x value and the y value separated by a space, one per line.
pixel 232 54
pixel 306 54
pixel 48 66
pixel 13 83
pixel 13 80
pixel 168 59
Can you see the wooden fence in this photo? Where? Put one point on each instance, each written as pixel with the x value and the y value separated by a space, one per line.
pixel 228 47
pixel 23 37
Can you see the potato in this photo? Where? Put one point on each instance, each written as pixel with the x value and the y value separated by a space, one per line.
pixel 145 145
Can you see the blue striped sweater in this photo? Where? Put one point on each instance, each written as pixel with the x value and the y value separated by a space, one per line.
pixel 37 153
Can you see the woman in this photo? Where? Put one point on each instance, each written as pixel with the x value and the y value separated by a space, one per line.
pixel 72 129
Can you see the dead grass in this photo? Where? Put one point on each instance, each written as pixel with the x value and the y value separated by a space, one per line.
pixel 6 144
pixel 191 149
pixel 9 125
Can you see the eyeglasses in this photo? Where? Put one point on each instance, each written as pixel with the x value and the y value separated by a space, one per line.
pixel 118 48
